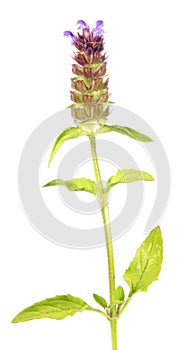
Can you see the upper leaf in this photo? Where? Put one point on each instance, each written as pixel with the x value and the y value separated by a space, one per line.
pixel 146 265
pixel 125 131
pixel 128 175
pixel 100 300
pixel 56 308
pixel 69 133
pixel 81 184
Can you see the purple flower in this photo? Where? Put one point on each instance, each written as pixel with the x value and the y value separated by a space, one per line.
pixel 67 34
pixel 88 41
pixel 98 30
pixel 82 24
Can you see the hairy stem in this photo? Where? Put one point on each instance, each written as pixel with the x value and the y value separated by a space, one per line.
pixel 108 235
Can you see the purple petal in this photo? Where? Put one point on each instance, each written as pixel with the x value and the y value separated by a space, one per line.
pixel 98 30
pixel 99 24
pixel 67 34
pixel 82 24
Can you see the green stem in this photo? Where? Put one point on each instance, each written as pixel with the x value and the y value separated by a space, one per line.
pixel 98 311
pixel 108 235
pixel 125 305
pixel 113 325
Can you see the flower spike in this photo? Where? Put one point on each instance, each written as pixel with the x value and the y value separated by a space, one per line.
pixel 89 84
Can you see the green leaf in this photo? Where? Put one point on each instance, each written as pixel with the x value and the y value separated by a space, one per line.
pixel 56 308
pixel 128 175
pixel 146 265
pixel 120 294
pixel 100 300
pixel 125 131
pixel 69 133
pixel 82 184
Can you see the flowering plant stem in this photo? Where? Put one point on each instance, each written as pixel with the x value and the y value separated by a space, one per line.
pixel 109 244
pixel 90 110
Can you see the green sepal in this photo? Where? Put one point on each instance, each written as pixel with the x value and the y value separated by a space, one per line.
pixel 100 300
pixel 146 265
pixel 128 175
pixel 125 131
pixel 81 184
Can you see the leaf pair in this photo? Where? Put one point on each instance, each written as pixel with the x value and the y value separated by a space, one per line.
pixel 143 270
pixel 83 184
pixel 119 298
pixel 74 132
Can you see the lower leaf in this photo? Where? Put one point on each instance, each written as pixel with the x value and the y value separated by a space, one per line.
pixel 56 308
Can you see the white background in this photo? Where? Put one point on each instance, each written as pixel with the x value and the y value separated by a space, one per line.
pixel 147 44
